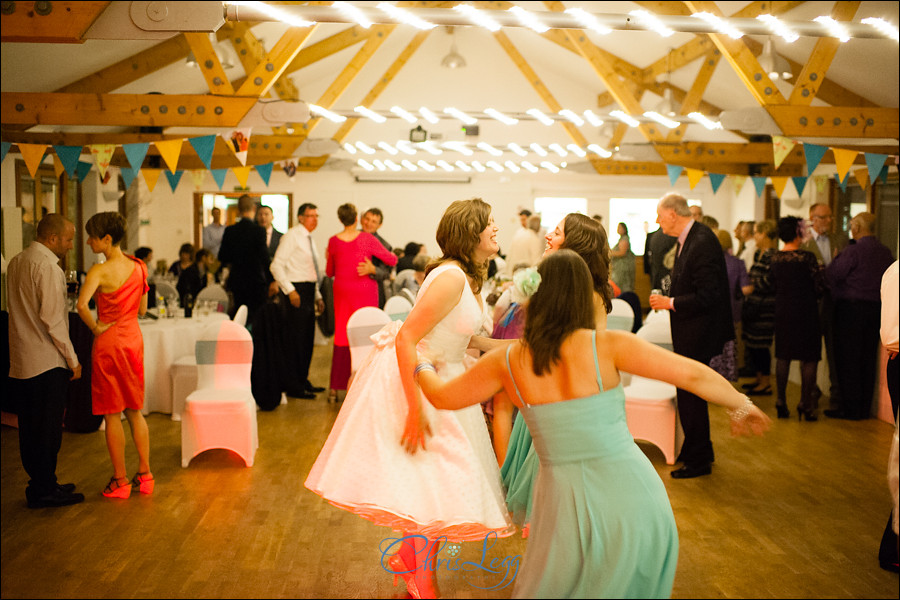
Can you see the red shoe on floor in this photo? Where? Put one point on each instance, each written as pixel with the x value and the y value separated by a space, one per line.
pixel 116 489
pixel 144 481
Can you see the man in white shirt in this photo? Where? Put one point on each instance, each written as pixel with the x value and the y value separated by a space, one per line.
pixel 526 246
pixel 42 358
pixel 297 270
pixel 212 233
pixel 748 242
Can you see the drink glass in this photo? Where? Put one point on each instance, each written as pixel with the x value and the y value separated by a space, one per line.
pixel 656 292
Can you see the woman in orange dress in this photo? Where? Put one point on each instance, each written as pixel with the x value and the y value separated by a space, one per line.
pixel 117 373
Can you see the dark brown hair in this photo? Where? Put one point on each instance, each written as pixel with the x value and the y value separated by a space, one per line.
pixel 106 223
pixel 587 238
pixel 347 214
pixel 458 235
pixel 562 304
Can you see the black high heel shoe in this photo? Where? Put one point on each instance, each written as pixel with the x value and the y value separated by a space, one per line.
pixel 808 413
pixel 783 411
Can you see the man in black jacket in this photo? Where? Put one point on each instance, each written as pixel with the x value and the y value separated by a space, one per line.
pixel 244 252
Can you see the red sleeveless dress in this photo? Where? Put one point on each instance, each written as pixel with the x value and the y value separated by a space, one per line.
pixel 117 371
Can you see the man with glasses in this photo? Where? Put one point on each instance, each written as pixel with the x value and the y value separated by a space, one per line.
pixel 826 244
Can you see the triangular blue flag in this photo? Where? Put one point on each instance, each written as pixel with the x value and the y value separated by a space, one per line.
pixel 4 148
pixel 135 153
pixel 875 162
pixel 203 146
pixel 83 169
pixel 813 154
pixel 174 178
pixel 760 184
pixel 128 174
pixel 715 180
pixel 219 176
pixel 843 183
pixel 800 184
pixel 674 173
pixel 68 156
pixel 265 172
pixel 883 175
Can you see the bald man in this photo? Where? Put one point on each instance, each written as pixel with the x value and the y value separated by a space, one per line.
pixel 854 277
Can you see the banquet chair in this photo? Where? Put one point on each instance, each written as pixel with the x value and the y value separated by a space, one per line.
pixel 362 324
pixel 166 290
pixel 397 308
pixel 406 293
pixel 215 293
pixel 183 372
pixel 652 415
pixel 621 318
pixel 221 413
pixel 657 329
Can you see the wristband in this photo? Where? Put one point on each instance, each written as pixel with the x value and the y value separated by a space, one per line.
pixel 423 366
pixel 740 413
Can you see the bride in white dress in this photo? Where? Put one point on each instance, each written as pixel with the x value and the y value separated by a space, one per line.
pixel 394 459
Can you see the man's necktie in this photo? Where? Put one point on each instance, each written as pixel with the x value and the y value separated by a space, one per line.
pixel 312 251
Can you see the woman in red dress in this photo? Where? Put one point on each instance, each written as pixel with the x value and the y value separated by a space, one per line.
pixel 117 373
pixel 348 257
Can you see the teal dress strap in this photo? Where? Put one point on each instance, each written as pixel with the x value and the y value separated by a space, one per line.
pixel 515 385
pixel 596 360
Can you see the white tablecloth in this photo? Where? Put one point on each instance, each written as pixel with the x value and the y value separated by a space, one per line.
pixel 165 341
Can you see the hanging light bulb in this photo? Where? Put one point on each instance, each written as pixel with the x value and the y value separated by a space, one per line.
pixel 775 65
pixel 454 59
pixel 668 107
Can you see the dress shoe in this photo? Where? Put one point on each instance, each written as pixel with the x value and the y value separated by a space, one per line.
pixel 313 389
pixel 839 414
pixel 305 396
pixel 689 472
pixel 55 498
pixel 68 488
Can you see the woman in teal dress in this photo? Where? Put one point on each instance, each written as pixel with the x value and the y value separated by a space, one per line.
pixel 602 524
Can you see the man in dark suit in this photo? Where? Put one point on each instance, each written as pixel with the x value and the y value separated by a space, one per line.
pixel 264 217
pixel 375 268
pixel 244 252
pixel 701 319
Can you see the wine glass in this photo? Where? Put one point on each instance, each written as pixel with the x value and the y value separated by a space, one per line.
pixel 71 288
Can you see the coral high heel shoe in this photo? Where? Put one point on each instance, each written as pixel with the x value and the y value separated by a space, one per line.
pixel 399 569
pixel 116 489
pixel 144 481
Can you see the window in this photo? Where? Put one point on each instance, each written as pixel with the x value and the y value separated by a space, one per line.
pixel 552 210
pixel 280 204
pixel 639 216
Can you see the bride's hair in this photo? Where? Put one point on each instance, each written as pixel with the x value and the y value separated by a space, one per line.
pixel 458 235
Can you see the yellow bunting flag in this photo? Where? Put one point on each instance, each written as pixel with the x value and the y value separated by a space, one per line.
pixel 862 176
pixel 738 181
pixel 33 155
pixel 198 176
pixel 242 173
pixel 694 176
pixel 842 160
pixel 821 182
pixel 58 167
pixel 170 151
pixel 102 155
pixel 781 147
pixel 778 184
pixel 151 176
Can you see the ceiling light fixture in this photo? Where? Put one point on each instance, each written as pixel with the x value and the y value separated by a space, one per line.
pixel 538 149
pixel 428 115
pixel 405 16
pixel 404 114
pixel 650 114
pixel 772 63
pixel 778 28
pixel 529 166
pixel 540 116
pixel 324 112
pixel 558 149
pixel 599 151
pixel 409 165
pixel 592 118
pixel 353 13
pixel 517 149
pixel 834 27
pixel 453 60
pixel 370 113
pixel 529 19
pixel 705 121
pixel 455 112
pixel 589 21
pixel 572 116
pixel 478 17
pixel 625 118
pixel 648 20
pixel 445 165
pixel 883 27
pixel 496 114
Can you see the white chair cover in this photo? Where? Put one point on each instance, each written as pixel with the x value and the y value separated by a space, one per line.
pixel 166 290
pixel 363 323
pixel 240 317
pixel 621 318
pixel 406 293
pixel 397 308
pixel 657 329
pixel 215 293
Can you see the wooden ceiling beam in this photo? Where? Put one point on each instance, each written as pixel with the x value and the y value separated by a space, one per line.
pixel 50 22
pixel 692 101
pixel 209 63
pixel 836 121
pixel 127 110
pixel 276 62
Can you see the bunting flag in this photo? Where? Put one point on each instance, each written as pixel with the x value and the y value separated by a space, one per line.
pixel 781 147
pixel 843 182
pixel 778 184
pixel 135 154
pixel 694 176
pixel 203 146
pixel 239 142
pixel 821 183
pixel 219 176
pixel 738 182
pixel 68 156
pixel 862 177
pixel 4 148
pixel 33 155
pixel 674 173
pixel 242 173
pixel 799 184
pixel 874 162
pixel 102 155
pixel 290 168
pixel 58 168
pixel 715 180
pixel 198 176
pixel 843 160
pixel 170 151
pixel 883 175
pixel 83 169
pixel 265 172
pixel 813 154
pixel 151 176
pixel 760 184
pixel 128 174
pixel 174 178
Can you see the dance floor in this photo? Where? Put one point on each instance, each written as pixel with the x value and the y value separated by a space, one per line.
pixel 796 514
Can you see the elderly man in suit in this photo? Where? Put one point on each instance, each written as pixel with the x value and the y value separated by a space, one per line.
pixel 244 252
pixel 701 318
pixel 826 245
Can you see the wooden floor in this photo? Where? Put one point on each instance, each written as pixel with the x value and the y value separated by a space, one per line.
pixel 797 514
